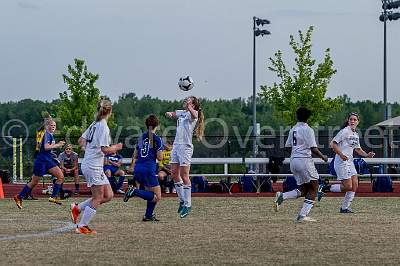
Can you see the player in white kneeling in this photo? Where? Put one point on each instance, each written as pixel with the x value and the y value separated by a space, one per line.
pixel 302 142
pixel 344 143
pixel 96 142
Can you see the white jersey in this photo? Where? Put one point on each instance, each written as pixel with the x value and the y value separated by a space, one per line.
pixel 347 141
pixel 97 136
pixel 185 127
pixel 301 139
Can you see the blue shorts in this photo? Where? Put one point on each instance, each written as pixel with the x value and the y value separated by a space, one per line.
pixel 41 167
pixel 147 179
pixel 112 169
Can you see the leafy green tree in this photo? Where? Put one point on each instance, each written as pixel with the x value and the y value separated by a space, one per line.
pixel 78 103
pixel 306 87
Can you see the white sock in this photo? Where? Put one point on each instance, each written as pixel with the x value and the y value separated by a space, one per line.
pixel 179 190
pixel 335 188
pixel 187 195
pixel 307 205
pixel 348 198
pixel 293 194
pixel 82 205
pixel 88 214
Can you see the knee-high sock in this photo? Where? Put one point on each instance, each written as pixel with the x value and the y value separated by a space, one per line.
pixel 150 208
pixel 187 195
pixel 24 191
pixel 293 194
pixel 335 188
pixel 348 198
pixel 56 190
pixel 307 205
pixel 144 194
pixel 82 205
pixel 88 214
pixel 179 190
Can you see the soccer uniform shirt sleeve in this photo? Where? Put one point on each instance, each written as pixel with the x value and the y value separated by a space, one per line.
pixel 310 138
pixel 289 140
pixel 339 136
pixel 103 137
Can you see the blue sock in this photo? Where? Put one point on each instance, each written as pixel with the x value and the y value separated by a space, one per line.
pixel 56 190
pixel 24 191
pixel 144 194
pixel 113 184
pixel 150 208
pixel 77 186
pixel 120 182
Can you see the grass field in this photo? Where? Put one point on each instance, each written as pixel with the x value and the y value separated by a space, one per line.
pixel 219 231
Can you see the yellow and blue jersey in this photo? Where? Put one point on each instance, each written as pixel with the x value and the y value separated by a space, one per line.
pixel 42 139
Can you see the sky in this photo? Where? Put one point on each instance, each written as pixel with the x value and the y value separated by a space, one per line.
pixel 145 46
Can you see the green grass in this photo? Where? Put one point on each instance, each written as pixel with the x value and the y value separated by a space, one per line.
pixel 219 231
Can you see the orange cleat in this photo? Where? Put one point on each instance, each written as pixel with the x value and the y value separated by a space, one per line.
pixel 74 212
pixel 85 230
pixel 18 201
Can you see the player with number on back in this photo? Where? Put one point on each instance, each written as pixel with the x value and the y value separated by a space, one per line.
pixel 96 142
pixel 301 140
pixel 149 148
pixel 44 163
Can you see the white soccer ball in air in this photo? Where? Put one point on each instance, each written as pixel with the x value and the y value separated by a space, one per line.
pixel 186 83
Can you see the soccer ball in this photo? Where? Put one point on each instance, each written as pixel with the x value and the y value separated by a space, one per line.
pixel 186 83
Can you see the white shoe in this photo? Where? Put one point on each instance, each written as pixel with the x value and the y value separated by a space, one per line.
pixel 120 191
pixel 305 219
pixel 166 190
pixel 174 190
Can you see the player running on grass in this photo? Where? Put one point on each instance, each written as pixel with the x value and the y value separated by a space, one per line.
pixel 44 163
pixel 96 142
pixel 344 143
pixel 189 120
pixel 144 164
pixel 302 141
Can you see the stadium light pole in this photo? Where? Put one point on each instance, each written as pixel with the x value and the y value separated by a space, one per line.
pixel 387 15
pixel 256 32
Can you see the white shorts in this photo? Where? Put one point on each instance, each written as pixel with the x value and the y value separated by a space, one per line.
pixel 303 170
pixel 94 176
pixel 344 169
pixel 182 154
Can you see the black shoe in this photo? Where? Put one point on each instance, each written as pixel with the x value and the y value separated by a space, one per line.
pixel 150 219
pixel 348 210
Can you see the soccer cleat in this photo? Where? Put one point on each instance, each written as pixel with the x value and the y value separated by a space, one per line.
pixel 85 230
pixel 129 193
pixel 185 211
pixel 166 191
pixel 348 210
pixel 120 191
pixel 55 200
pixel 301 218
pixel 18 201
pixel 74 212
pixel 278 200
pixel 181 204
pixel 150 219
pixel 320 192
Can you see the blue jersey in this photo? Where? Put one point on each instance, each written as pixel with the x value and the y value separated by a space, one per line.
pixel 42 154
pixel 147 156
